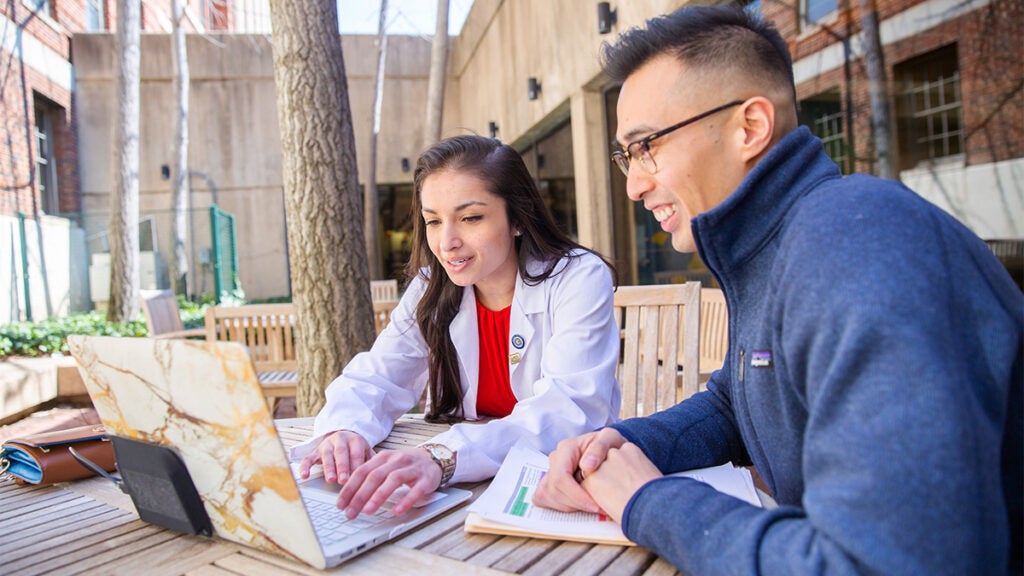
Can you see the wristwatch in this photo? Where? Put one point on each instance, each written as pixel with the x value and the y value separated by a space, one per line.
pixel 445 458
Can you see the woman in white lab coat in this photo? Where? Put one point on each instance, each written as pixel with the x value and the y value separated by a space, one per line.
pixel 505 319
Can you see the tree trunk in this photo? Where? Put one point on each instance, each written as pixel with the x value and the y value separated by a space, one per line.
pixel 438 71
pixel 179 171
pixel 124 198
pixel 371 212
pixel 323 206
pixel 875 65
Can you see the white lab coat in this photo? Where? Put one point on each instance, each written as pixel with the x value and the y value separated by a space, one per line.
pixel 564 382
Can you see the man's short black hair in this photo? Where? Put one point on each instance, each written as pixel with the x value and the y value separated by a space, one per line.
pixel 708 37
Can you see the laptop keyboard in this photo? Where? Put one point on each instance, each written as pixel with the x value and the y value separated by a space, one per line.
pixel 332 525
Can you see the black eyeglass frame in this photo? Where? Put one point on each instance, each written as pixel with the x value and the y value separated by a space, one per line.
pixel 623 158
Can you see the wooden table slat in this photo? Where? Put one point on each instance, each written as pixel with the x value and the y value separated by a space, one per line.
pixel 526 555
pixel 212 570
pixel 661 567
pixel 241 563
pixel 48 520
pixel 87 560
pixel 9 485
pixel 459 545
pixel 14 503
pixel 424 535
pixel 22 513
pixel 172 557
pixel 497 551
pixel 558 558
pixel 81 535
pixel 632 561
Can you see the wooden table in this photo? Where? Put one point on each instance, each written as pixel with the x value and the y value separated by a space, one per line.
pixel 90 527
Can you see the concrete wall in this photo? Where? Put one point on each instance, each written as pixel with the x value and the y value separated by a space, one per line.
pixel 234 150
pixel 503 43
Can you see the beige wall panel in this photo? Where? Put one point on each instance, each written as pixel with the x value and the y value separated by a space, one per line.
pixel 234 135
pixel 505 43
pixel 95 115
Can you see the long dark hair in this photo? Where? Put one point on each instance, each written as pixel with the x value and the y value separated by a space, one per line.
pixel 503 172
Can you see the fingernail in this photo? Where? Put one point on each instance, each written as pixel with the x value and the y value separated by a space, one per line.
pixel 588 462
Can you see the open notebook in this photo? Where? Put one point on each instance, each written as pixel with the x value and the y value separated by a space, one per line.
pixel 202 400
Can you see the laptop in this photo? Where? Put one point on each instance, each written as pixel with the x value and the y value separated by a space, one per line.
pixel 202 401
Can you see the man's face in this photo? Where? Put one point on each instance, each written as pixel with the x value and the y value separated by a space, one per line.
pixel 695 168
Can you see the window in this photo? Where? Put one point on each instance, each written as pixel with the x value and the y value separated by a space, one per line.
pixel 215 14
pixel 813 11
pixel 94 15
pixel 46 164
pixel 41 7
pixel 823 114
pixel 928 107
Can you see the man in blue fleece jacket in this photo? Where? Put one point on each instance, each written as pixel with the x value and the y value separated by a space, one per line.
pixel 875 369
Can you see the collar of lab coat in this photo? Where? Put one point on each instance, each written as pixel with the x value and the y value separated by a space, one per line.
pixel 527 301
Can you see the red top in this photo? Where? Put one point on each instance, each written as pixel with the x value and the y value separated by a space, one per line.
pixel 494 391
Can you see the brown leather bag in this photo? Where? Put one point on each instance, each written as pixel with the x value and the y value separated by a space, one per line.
pixel 44 458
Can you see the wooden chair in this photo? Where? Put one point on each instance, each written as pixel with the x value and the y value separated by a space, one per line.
pixel 382 313
pixel 268 330
pixel 651 320
pixel 384 291
pixel 163 319
pixel 714 331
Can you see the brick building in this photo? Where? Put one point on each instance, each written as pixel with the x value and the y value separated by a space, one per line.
pixel 954 72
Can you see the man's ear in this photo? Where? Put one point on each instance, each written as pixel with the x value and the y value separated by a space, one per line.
pixel 758 123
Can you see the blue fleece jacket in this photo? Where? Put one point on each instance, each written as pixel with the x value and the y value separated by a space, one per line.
pixel 874 378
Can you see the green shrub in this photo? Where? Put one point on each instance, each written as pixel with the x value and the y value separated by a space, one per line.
pixel 48 336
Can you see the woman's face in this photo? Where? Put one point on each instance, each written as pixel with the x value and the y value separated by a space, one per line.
pixel 468 231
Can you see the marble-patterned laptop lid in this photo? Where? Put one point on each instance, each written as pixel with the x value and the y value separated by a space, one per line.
pixel 203 399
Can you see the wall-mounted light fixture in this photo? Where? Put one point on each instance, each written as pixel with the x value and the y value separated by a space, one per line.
pixel 605 17
pixel 532 88
pixel 405 164
pixel 165 172
pixel 492 128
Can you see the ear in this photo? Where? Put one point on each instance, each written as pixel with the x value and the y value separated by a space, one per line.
pixel 758 125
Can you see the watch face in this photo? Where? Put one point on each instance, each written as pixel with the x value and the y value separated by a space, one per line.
pixel 440 451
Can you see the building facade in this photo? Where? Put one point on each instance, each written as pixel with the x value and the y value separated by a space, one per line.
pixel 527 71
pixel 45 259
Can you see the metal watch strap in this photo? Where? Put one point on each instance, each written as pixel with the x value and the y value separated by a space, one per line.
pixel 447 464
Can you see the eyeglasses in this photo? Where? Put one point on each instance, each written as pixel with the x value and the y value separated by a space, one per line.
pixel 641 149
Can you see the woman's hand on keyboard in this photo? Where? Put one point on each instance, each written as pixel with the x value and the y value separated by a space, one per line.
pixel 371 484
pixel 340 453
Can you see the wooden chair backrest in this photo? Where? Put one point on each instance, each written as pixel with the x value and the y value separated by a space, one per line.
pixel 714 330
pixel 382 313
pixel 384 290
pixel 651 320
pixel 160 308
pixel 268 330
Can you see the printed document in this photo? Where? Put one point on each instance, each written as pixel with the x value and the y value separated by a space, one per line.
pixel 506 507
